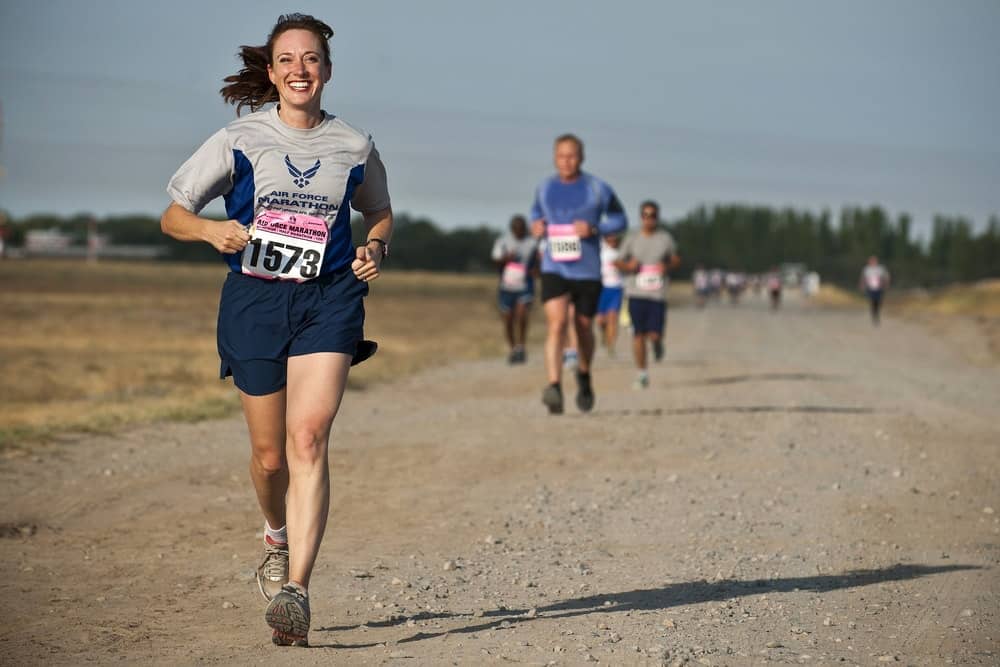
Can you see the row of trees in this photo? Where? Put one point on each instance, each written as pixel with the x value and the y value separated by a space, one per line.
pixel 736 237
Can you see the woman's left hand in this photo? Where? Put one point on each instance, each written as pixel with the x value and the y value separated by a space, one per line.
pixel 367 262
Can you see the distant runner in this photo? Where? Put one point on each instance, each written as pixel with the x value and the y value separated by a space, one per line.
pixel 773 281
pixel 572 209
pixel 700 284
pixel 874 282
pixel 648 255
pixel 515 255
pixel 612 292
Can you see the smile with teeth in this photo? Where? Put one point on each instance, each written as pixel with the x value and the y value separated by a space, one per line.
pixel 299 86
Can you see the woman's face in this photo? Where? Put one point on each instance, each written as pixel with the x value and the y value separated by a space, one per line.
pixel 299 71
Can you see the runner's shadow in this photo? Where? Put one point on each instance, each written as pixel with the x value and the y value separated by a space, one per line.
pixel 673 595
pixel 762 377
pixel 735 409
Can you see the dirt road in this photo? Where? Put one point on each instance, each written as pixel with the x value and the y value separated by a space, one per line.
pixel 794 487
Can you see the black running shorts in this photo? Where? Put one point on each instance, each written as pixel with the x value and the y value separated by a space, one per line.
pixel 584 294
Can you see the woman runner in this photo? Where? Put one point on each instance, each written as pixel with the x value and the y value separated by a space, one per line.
pixel 291 312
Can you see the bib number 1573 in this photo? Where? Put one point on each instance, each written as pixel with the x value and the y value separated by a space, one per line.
pixel 286 246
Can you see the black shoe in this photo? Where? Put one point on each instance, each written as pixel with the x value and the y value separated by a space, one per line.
pixel 366 350
pixel 585 394
pixel 552 397
pixel 658 350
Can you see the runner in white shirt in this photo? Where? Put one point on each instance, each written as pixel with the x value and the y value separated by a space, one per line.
pixel 700 284
pixel 516 257
pixel 609 304
pixel 773 281
pixel 874 281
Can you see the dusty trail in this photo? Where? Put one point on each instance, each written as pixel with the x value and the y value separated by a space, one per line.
pixel 794 487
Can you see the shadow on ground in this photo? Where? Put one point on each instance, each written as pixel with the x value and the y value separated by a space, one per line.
pixel 735 409
pixel 762 377
pixel 665 597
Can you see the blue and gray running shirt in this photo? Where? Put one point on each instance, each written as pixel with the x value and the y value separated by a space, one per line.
pixel 590 199
pixel 258 163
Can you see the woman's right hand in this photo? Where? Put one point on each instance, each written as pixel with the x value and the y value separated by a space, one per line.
pixel 227 236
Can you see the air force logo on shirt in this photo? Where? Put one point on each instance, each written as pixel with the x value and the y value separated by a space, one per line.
pixel 299 177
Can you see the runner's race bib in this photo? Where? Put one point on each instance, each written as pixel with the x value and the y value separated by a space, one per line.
pixel 649 278
pixel 285 246
pixel 564 244
pixel 610 275
pixel 874 281
pixel 514 277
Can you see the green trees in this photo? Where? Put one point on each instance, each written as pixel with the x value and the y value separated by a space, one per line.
pixel 732 236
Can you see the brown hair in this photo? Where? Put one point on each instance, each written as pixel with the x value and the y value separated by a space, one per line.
pixel 251 87
pixel 572 138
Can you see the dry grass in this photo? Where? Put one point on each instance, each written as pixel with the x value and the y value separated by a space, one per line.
pixel 93 348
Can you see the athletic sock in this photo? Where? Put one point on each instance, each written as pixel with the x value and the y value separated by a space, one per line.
pixel 279 536
pixel 298 587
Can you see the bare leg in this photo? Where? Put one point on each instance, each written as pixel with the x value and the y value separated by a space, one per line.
pixel 639 350
pixel 316 385
pixel 521 311
pixel 611 330
pixel 584 327
pixel 508 327
pixel 265 416
pixel 555 318
pixel 571 341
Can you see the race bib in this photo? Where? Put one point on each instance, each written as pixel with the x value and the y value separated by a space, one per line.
pixel 514 277
pixel 610 275
pixel 564 244
pixel 874 281
pixel 285 246
pixel 649 278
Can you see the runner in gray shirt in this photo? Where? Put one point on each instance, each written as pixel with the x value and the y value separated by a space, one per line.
pixel 646 257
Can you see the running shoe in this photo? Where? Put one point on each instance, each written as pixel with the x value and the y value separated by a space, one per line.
pixel 272 573
pixel 552 397
pixel 512 357
pixel 570 358
pixel 641 381
pixel 288 615
pixel 522 356
pixel 585 393
pixel 658 350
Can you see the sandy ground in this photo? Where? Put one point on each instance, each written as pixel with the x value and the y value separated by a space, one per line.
pixel 795 487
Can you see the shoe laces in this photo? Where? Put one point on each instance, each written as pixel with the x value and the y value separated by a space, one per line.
pixel 276 561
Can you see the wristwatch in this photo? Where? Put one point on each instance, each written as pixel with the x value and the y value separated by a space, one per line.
pixel 381 242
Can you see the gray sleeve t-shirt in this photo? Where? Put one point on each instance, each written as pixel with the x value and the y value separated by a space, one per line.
pixel 651 251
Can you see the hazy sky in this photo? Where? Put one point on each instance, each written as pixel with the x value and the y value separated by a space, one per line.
pixel 800 103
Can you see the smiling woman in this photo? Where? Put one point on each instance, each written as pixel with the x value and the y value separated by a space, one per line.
pixel 292 311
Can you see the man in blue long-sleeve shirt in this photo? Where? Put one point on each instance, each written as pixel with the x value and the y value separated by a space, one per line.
pixel 572 210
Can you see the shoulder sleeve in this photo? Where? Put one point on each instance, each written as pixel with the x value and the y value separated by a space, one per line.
pixel 373 193
pixel 671 244
pixel 615 220
pixel 498 249
pixel 625 250
pixel 206 175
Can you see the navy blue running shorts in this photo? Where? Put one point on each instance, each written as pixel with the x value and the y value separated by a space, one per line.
pixel 263 322
pixel 506 300
pixel 647 315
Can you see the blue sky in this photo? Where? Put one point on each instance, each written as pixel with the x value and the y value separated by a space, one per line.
pixel 796 103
